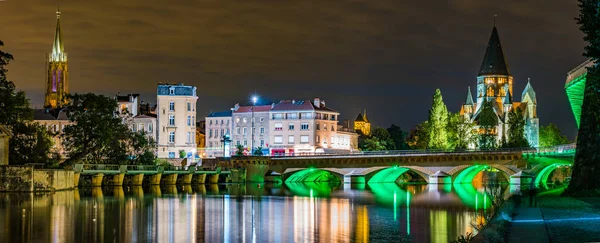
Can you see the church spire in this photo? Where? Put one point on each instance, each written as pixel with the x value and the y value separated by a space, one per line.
pixel 469 100
pixel 494 62
pixel 58 48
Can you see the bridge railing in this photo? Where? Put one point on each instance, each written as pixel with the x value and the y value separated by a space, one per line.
pixel 558 149
pixel 405 152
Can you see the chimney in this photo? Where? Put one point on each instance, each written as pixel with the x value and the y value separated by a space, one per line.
pixel 272 105
pixel 317 102
pixel 236 107
pixel 322 103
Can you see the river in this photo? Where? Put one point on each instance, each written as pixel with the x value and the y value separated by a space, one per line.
pixel 304 212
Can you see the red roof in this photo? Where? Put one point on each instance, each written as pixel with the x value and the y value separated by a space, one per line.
pixel 258 108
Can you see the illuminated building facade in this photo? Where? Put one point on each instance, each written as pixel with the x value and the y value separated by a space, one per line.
pixel 217 125
pixel 495 85
pixel 362 124
pixel 57 75
pixel 176 114
pixel 575 87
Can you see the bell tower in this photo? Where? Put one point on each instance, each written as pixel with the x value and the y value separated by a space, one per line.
pixel 57 73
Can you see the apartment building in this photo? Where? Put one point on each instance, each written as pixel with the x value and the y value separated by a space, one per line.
pixel 244 129
pixel 217 125
pixel 176 113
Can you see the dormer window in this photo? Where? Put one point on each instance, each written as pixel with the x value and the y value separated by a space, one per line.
pixel 172 90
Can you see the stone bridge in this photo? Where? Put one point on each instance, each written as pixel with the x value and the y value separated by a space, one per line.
pixel 515 166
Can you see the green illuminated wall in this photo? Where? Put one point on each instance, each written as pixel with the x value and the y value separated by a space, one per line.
pixel 575 90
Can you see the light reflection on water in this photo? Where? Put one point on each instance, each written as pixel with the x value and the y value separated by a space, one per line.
pixel 244 213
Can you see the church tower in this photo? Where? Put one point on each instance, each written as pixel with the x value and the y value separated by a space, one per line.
pixel 362 124
pixel 57 74
pixel 494 79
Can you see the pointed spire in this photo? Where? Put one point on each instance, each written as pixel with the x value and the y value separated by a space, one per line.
pixel 365 114
pixel 507 97
pixel 57 47
pixel 469 100
pixel 494 62
pixel 528 91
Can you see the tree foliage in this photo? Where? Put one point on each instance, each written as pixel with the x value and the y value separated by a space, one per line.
pixel 438 120
pixel 379 140
pixel 461 132
pixel 586 166
pixel 550 135
pixel 487 121
pixel 516 130
pixel 419 136
pixel 30 143
pixel 98 135
pixel 398 136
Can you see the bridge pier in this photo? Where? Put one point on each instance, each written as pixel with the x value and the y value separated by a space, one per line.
pixel 274 178
pixel 521 181
pixel 97 179
pixel 199 178
pixel 237 176
pixel 115 180
pixel 169 179
pixel 155 179
pixel 353 178
pixel 213 179
pixel 135 180
pixel 440 177
pixel 76 177
pixel 185 179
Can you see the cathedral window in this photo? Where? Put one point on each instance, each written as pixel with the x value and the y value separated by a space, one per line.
pixel 490 91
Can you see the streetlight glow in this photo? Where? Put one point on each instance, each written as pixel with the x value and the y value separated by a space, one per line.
pixel 254 99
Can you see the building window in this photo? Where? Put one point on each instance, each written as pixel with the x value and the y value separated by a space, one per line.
pixel 318 126
pixel 304 139
pixel 262 119
pixel 237 120
pixel 291 126
pixel 262 130
pixel 317 139
pixel 304 126
pixel 141 127
pixel 245 143
pixel 278 127
pixel 245 120
pixel 228 122
pixel 171 106
pixel 332 128
pixel 210 122
pixel 325 127
pixel 171 155
pixel 291 139
pixel 245 130
pixel 171 137
pixel 189 137
pixel 150 127
pixel 189 106
pixel 277 116
pixel 189 120
pixel 237 131
pixel 278 140
pixel 237 142
pixel 171 91
pixel 262 142
pixel 172 120
pixel 226 130
pixel 133 128
pixel 210 133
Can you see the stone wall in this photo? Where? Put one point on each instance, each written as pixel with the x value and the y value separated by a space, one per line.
pixel 28 179
pixel 16 178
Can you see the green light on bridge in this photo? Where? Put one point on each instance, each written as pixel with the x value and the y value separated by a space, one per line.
pixel 575 90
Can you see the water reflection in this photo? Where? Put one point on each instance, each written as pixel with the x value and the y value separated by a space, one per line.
pixel 245 213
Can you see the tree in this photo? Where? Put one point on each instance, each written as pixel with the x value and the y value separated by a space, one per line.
pixel 258 151
pixel 487 121
pixel 31 142
pixel 398 136
pixel 419 136
pixel 98 135
pixel 239 150
pixel 586 166
pixel 379 140
pixel 516 130
pixel 550 135
pixel 438 120
pixel 461 132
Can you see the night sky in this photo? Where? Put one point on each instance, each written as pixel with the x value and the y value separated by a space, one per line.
pixel 384 56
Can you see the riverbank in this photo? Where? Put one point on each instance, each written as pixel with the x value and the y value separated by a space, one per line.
pixel 557 219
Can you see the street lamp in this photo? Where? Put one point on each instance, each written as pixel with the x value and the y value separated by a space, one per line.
pixel 254 100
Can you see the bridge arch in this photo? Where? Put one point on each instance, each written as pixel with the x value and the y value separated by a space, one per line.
pixel 541 176
pixel 466 173
pixel 384 174
pixel 314 175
